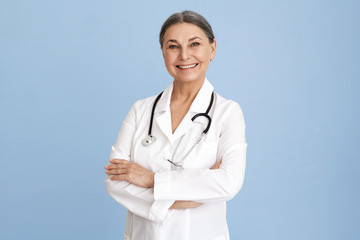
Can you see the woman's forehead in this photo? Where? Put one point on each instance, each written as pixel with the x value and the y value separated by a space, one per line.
pixel 184 31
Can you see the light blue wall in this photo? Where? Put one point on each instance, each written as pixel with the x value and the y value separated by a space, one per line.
pixel 71 69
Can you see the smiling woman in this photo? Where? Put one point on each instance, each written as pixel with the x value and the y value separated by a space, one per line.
pixel 175 185
pixel 187 51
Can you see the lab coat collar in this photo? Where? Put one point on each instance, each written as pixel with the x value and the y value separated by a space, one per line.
pixel 202 99
pixel 200 103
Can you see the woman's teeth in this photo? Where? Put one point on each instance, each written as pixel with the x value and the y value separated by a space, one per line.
pixel 187 66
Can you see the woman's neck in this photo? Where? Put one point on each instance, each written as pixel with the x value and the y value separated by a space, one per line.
pixel 185 91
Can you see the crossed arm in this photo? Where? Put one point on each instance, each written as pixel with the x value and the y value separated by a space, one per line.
pixel 133 173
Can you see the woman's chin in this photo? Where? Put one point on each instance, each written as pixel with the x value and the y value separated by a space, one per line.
pixel 189 78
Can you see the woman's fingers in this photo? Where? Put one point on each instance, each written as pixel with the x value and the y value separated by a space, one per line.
pixel 116 171
pixel 122 177
pixel 131 172
pixel 216 165
pixel 115 166
pixel 119 161
pixel 185 205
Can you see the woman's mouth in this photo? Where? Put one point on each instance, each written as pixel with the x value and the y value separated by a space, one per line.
pixel 187 66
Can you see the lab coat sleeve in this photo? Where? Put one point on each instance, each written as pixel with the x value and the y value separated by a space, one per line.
pixel 205 185
pixel 136 199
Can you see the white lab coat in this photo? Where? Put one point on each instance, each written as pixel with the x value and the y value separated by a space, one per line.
pixel 148 216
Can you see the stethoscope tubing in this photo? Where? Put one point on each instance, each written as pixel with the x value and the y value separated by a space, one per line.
pixel 149 139
pixel 152 113
pixel 205 114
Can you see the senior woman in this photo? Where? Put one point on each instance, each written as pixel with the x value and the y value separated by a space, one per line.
pixel 180 155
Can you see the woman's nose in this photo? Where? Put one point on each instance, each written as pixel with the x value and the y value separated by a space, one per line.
pixel 184 54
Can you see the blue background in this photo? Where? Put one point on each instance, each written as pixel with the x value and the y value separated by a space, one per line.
pixel 70 70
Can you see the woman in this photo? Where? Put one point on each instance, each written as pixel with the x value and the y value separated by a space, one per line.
pixel 175 184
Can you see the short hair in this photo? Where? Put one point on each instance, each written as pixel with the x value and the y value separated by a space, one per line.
pixel 187 17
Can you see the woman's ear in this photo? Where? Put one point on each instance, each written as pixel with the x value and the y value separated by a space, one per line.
pixel 213 49
pixel 163 52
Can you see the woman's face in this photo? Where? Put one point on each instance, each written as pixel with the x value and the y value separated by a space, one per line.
pixel 187 52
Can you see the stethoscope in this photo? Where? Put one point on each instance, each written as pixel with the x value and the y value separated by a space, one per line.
pixel 150 139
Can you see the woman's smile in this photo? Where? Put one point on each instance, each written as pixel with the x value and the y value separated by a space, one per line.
pixel 190 66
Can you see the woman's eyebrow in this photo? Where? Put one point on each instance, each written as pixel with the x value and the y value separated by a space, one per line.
pixel 190 39
pixel 171 40
pixel 193 38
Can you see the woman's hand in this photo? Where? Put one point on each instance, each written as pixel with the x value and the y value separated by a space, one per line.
pixel 130 172
pixel 185 205
pixel 216 165
pixel 191 204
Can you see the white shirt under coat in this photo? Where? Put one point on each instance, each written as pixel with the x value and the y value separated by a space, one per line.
pixel 148 215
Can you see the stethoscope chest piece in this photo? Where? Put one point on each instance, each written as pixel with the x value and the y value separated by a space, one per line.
pixel 148 140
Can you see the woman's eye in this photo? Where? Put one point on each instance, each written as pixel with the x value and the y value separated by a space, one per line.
pixel 195 44
pixel 173 46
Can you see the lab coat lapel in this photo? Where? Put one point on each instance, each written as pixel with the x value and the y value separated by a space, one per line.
pixel 164 123
pixel 163 114
pixel 185 125
pixel 202 99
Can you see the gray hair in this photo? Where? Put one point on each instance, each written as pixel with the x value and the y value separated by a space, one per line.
pixel 187 17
